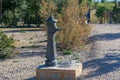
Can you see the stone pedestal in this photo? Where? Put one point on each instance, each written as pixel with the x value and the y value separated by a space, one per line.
pixel 60 72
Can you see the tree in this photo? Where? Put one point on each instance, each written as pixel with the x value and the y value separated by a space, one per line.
pixel 13 11
pixel 100 13
pixel 116 11
pixel 47 8
pixel 0 11
pixel 103 1
pixel 32 15
pixel 0 8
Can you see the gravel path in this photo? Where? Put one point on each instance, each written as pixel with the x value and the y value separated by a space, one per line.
pixel 31 48
pixel 103 61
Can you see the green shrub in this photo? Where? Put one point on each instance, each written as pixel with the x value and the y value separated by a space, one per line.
pixel 22 31
pixel 6 46
pixel 116 16
pixel 10 18
pixel 102 11
pixel 67 52
pixel 32 46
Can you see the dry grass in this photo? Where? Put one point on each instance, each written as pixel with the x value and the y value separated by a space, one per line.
pixel 94 19
pixel 75 31
pixel 71 20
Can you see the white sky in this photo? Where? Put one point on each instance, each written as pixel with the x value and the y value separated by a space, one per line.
pixel 107 0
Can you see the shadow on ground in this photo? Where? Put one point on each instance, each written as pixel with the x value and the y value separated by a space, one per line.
pixel 107 36
pixel 33 78
pixel 109 63
pixel 23 30
pixel 31 54
pixel 31 51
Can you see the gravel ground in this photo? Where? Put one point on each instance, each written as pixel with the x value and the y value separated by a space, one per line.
pixel 103 61
pixel 31 48
pixel 101 58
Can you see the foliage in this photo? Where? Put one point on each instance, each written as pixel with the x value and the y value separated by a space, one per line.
pixel 61 4
pixel 10 17
pixel 33 46
pixel 102 11
pixel 94 18
pixel 116 16
pixel 36 11
pixel 107 5
pixel 32 15
pixel 72 20
pixel 6 46
pixel 13 11
pixel 67 52
pixel 70 15
pixel 22 31
pixel 47 7
pixel 25 11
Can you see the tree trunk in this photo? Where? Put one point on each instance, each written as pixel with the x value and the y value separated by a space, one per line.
pixel 116 3
pixel 0 8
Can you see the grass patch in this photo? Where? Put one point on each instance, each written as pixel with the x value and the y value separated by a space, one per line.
pixel 77 58
pixel 22 31
pixel 23 47
pixel 30 42
pixel 31 38
pixel 33 46
pixel 15 61
pixel 67 52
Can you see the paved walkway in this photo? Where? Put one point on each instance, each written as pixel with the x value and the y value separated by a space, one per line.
pixel 104 57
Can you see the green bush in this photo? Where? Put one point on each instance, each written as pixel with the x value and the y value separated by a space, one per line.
pixel 116 16
pixel 67 52
pixel 6 46
pixel 102 11
pixel 11 18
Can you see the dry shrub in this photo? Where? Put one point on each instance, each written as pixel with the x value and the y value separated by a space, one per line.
pixel 72 20
pixel 94 19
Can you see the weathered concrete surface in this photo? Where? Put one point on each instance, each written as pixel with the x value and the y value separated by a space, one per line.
pixel 60 72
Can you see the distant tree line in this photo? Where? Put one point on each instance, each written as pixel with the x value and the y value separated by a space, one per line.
pixel 20 12
pixel 106 11
pixel 14 12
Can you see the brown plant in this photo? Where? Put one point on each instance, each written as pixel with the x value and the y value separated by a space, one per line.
pixel 71 19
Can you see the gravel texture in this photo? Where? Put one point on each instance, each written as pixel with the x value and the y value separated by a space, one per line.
pixel 103 61
pixel 101 58
pixel 30 49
